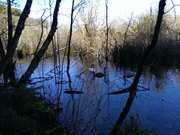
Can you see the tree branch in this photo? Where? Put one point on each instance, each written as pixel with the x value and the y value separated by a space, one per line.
pixel 20 26
pixel 37 58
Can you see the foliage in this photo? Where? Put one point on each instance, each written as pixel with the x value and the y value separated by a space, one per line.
pixel 15 11
pixel 89 38
pixel 31 33
pixel 139 36
pixel 22 113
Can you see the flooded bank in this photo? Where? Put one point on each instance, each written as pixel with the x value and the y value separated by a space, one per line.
pixel 90 104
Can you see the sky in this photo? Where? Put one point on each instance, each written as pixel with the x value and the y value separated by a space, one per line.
pixel 118 9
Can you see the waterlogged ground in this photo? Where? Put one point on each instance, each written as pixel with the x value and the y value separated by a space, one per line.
pixel 94 112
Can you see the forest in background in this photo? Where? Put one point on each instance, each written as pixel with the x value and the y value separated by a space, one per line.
pixel 89 37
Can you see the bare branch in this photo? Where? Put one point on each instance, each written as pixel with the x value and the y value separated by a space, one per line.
pixel 42 32
pixel 80 4
pixel 127 29
pixel 20 26
pixel 35 61
pixel 173 7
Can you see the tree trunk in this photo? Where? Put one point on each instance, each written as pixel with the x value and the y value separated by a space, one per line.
pixel 12 47
pixel 70 37
pixel 9 72
pixel 37 58
pixel 2 52
pixel 107 32
pixel 134 84
pixel 10 25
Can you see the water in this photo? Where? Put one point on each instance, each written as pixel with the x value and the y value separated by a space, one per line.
pixel 95 111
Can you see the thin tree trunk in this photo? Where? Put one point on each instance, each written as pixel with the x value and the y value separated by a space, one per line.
pixel 107 32
pixel 35 61
pixel 10 25
pixel 53 45
pixel 42 33
pixel 2 52
pixel 134 84
pixel 70 37
pixel 9 72
pixel 20 26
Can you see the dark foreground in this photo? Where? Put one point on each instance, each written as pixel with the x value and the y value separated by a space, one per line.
pixel 21 113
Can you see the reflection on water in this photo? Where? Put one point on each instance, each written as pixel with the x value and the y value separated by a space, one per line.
pixel 90 109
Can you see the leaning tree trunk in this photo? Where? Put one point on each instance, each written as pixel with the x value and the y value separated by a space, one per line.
pixel 134 84
pixel 15 39
pixel 37 58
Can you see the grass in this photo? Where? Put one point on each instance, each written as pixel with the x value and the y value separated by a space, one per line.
pixel 166 54
pixel 134 127
pixel 21 113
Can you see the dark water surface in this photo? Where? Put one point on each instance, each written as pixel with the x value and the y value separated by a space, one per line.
pixel 157 102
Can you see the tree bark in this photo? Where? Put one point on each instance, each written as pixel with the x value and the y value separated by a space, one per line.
pixel 20 26
pixel 9 72
pixel 10 25
pixel 37 58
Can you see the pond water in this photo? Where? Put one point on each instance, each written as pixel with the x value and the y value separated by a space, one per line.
pixel 94 112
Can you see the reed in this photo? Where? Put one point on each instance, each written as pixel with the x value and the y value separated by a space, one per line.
pixel 166 54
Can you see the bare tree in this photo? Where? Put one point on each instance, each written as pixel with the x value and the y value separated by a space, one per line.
pixel 107 32
pixel 9 72
pixel 90 41
pixel 42 32
pixel 70 37
pixel 133 87
pixel 72 18
pixel 37 58
pixel 13 40
pixel 10 25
